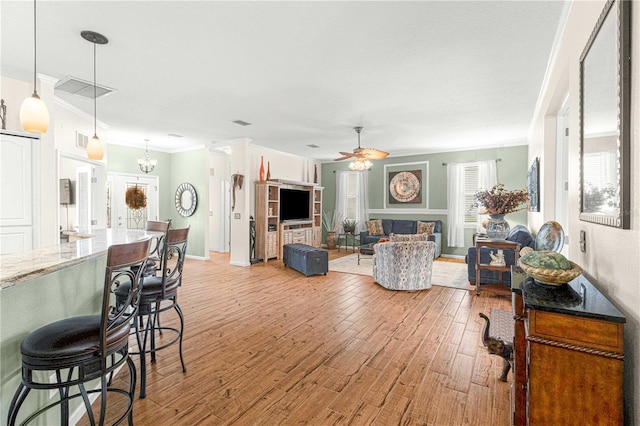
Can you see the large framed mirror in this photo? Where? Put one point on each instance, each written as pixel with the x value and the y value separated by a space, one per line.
pixel 605 82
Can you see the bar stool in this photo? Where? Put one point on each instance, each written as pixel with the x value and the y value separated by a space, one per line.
pixel 156 290
pixel 77 350
pixel 155 252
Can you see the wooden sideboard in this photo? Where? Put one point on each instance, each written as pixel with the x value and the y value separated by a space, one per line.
pixel 569 354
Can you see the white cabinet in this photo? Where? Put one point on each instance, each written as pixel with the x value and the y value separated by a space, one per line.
pixel 17 165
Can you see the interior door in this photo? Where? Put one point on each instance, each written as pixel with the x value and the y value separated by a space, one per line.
pixel 122 217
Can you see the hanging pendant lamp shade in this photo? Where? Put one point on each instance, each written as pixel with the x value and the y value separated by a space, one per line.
pixel 95 151
pixel 147 164
pixel 34 115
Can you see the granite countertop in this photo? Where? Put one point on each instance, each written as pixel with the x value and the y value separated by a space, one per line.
pixel 578 297
pixel 23 266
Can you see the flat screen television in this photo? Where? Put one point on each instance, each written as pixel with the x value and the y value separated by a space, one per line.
pixel 295 204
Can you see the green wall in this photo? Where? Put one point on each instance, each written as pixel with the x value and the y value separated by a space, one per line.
pixel 191 167
pixel 512 171
pixel 172 170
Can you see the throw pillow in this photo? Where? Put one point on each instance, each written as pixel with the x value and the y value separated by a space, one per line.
pixel 426 227
pixel 408 237
pixel 374 227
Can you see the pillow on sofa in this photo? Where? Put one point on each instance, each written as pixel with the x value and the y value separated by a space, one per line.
pixel 408 237
pixel 426 227
pixel 374 227
pixel 521 235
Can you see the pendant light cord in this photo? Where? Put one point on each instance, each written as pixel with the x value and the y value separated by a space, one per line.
pixel 95 134
pixel 35 48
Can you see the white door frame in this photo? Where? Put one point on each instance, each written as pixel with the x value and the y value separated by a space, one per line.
pixel 119 212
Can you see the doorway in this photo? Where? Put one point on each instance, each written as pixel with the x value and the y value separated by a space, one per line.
pixel 119 215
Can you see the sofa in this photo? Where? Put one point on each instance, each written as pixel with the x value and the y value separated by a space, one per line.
pixel 519 234
pixel 405 226
pixel 404 263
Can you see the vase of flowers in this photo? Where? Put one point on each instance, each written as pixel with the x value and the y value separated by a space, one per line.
pixel 331 222
pixel 498 202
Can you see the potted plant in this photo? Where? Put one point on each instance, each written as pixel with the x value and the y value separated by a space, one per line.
pixel 331 222
pixel 349 226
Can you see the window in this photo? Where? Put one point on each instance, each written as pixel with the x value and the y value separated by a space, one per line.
pixel 351 196
pixel 471 186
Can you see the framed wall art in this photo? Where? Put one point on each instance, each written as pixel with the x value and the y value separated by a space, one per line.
pixel 406 185
pixel 533 185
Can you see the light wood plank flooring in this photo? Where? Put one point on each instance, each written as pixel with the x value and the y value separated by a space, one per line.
pixel 266 345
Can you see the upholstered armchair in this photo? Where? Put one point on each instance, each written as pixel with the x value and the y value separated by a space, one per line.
pixel 404 265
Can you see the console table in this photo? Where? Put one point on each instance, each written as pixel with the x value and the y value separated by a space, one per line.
pixel 569 354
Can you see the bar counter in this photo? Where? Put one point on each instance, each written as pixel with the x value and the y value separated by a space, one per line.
pixel 23 266
pixel 44 285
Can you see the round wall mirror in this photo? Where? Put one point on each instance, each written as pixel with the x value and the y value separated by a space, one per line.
pixel 186 199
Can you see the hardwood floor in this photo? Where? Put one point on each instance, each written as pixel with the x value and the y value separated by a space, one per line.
pixel 266 345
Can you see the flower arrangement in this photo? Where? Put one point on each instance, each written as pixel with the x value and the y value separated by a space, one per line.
pixel 135 198
pixel 498 200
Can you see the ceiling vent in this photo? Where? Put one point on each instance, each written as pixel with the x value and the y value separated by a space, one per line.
pixel 78 87
pixel 312 145
pixel 174 135
pixel 241 123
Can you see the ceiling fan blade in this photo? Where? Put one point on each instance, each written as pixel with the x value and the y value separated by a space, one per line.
pixel 373 154
pixel 345 157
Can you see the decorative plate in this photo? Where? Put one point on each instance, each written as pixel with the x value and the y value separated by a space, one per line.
pixel 404 187
pixel 186 199
pixel 550 237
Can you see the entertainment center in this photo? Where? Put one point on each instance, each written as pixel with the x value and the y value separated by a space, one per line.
pixel 286 212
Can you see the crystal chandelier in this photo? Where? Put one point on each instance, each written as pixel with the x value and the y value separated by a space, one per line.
pixel 147 164
pixel 360 164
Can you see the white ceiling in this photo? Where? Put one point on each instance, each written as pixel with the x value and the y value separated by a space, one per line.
pixel 418 76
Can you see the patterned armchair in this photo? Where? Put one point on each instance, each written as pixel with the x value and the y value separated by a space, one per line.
pixel 405 264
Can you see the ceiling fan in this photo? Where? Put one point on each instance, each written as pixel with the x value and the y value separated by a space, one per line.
pixel 362 153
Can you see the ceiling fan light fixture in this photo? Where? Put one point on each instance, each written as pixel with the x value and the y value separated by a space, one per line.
pixel 360 165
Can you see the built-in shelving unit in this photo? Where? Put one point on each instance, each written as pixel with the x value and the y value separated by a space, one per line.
pixel 272 233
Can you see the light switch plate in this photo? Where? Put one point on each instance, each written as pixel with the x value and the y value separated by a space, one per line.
pixel 236 215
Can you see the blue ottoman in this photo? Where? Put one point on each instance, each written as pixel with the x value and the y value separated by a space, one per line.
pixel 306 259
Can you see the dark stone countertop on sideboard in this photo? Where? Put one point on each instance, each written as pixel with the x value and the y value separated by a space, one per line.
pixel 579 298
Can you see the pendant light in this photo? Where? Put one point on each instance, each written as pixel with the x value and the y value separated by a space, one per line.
pixel 95 150
pixel 34 115
pixel 147 164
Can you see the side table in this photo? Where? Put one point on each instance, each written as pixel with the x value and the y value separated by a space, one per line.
pixel 494 244
pixel 354 238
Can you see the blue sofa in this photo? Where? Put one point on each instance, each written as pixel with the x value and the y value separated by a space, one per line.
pixel 519 234
pixel 404 226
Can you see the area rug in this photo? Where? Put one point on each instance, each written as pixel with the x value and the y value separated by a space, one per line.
pixel 445 274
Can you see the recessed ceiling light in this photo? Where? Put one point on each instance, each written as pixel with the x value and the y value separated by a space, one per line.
pixel 241 123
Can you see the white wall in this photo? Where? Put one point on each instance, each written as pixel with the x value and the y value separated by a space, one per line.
pixel 612 259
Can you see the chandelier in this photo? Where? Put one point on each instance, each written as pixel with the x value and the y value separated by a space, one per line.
pixel 147 164
pixel 360 164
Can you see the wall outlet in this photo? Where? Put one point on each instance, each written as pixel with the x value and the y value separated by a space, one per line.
pixel 236 215
pixel 583 241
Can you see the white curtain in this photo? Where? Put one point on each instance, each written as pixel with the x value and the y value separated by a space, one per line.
pixel 455 205
pixel 487 178
pixel 363 200
pixel 341 195
pixel 362 196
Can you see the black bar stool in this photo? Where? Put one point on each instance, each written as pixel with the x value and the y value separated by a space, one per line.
pixel 77 350
pixel 156 290
pixel 155 252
